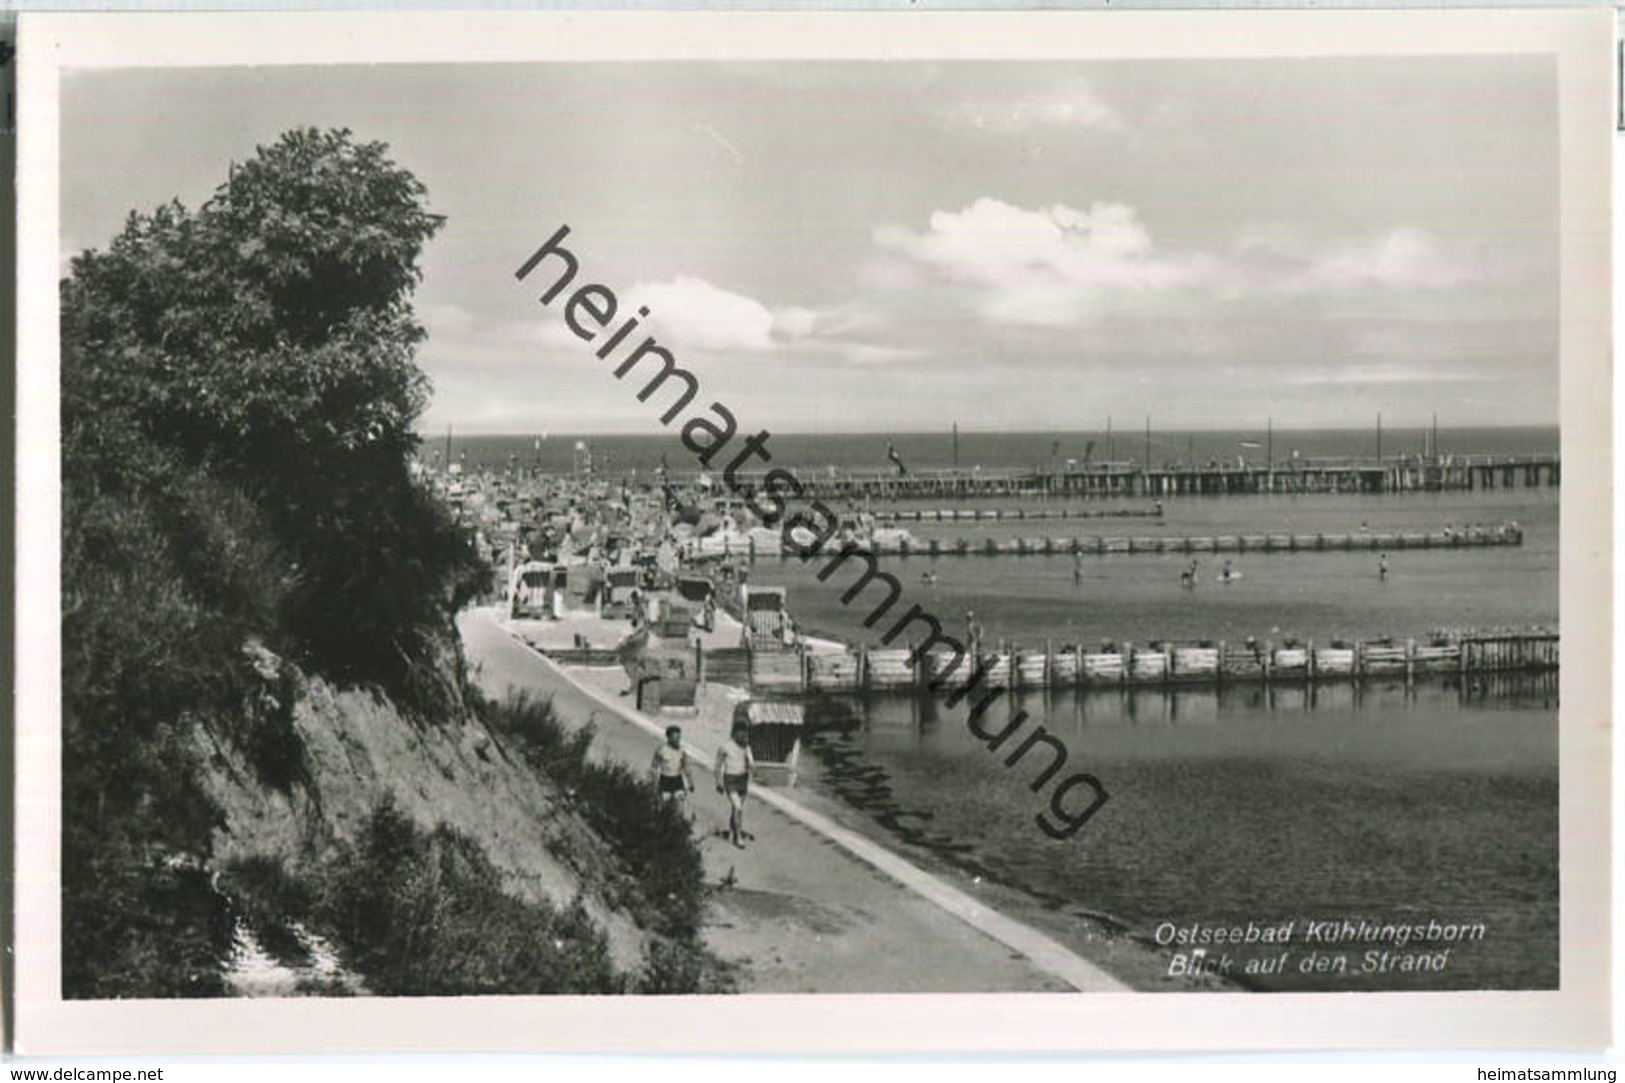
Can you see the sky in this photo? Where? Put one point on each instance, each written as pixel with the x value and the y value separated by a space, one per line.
pixel 904 246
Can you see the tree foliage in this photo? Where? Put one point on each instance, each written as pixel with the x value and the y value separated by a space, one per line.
pixel 238 402
pixel 273 322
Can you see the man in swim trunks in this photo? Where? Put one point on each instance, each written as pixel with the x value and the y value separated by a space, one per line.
pixel 671 768
pixel 734 767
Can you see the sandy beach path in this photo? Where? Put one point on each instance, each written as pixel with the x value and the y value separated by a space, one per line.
pixel 798 909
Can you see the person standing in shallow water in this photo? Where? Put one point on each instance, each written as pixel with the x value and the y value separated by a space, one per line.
pixel 735 764
pixel 1382 567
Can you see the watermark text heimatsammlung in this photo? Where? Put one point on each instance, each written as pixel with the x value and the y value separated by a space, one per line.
pixel 591 311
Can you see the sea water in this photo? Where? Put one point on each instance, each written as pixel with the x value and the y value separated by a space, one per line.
pixel 1371 802
pixel 1140 597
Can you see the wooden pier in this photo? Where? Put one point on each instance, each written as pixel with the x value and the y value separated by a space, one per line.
pixel 1392 474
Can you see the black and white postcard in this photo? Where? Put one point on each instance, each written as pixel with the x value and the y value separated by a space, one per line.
pixel 715 531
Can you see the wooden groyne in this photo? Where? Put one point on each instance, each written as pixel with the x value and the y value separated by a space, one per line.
pixel 1181 703
pixel 971 515
pixel 800 671
pixel 764 543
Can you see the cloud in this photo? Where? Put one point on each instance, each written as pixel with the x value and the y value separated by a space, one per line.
pixel 694 314
pixel 1059 266
pixel 991 241
pixel 795 321
pixel 1274 256
pixel 1401 258
pixel 685 313
pixel 1052 266
pixel 698 315
pixel 1068 104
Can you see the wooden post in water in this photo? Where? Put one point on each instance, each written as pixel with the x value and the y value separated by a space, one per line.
pixel 1269 454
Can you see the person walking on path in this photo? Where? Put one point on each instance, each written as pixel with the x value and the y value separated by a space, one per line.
pixel 673 778
pixel 735 764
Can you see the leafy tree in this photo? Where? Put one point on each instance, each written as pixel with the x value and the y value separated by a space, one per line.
pixel 238 402
pixel 268 339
